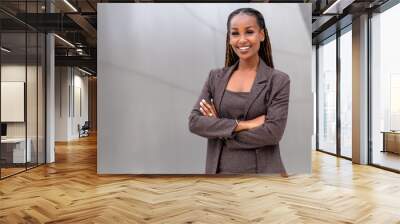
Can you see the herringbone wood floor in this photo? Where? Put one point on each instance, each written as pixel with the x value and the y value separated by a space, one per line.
pixel 70 191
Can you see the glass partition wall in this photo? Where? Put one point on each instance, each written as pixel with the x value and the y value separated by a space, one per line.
pixel 327 96
pixel 22 88
pixel 385 89
pixel 13 89
pixel 345 61
pixel 334 90
pixel 334 94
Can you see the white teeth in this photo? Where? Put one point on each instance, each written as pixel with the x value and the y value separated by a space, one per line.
pixel 244 48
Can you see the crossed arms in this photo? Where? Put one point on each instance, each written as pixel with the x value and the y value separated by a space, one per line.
pixel 267 129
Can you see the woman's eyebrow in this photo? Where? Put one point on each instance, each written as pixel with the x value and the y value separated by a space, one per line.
pixel 247 27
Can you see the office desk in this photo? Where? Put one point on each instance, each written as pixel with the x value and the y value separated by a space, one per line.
pixel 391 141
pixel 13 150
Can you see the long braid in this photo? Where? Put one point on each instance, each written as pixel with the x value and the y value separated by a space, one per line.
pixel 230 56
pixel 264 52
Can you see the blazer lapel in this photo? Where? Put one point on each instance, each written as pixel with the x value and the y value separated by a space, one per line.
pixel 258 85
pixel 221 86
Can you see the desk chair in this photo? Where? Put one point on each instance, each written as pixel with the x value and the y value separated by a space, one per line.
pixel 84 130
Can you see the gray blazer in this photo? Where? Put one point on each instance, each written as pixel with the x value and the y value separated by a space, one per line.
pixel 269 95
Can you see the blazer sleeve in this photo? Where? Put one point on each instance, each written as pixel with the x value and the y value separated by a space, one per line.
pixel 209 127
pixel 271 132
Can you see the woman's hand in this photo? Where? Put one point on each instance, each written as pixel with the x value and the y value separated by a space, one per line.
pixel 208 109
pixel 249 124
pixel 258 121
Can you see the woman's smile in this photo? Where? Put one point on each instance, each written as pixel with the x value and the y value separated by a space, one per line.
pixel 244 49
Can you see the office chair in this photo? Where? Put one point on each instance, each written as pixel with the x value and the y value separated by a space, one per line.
pixel 84 130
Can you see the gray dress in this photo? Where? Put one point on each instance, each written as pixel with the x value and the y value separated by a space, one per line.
pixel 232 107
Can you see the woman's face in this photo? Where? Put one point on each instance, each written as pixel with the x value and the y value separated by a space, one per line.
pixel 245 36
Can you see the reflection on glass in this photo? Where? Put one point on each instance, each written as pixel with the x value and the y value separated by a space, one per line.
pixel 386 88
pixel 327 97
pixel 13 84
pixel 22 91
pixel 346 94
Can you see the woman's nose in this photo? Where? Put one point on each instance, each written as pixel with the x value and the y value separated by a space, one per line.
pixel 242 39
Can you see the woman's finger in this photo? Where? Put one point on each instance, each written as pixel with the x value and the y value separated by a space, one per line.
pixel 207 105
pixel 205 109
pixel 203 112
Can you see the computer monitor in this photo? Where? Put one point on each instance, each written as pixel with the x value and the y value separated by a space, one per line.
pixel 3 129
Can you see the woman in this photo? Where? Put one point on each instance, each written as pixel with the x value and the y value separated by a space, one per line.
pixel 243 108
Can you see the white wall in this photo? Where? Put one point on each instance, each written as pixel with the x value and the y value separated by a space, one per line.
pixel 62 80
pixel 68 81
pixel 152 66
pixel 79 117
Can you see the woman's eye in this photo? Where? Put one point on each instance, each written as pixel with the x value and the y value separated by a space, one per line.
pixel 250 31
pixel 234 33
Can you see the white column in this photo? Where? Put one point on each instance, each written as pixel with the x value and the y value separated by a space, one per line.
pixel 360 90
pixel 50 100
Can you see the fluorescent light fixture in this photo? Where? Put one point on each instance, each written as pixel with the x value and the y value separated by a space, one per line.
pixel 338 6
pixel 331 7
pixel 84 71
pixel 5 50
pixel 70 5
pixel 65 41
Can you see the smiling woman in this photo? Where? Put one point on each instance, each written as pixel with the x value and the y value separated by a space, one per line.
pixel 243 107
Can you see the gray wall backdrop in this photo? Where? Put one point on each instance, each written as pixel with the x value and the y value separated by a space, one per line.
pixel 153 60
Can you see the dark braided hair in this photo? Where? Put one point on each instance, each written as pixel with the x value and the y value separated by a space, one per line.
pixel 265 46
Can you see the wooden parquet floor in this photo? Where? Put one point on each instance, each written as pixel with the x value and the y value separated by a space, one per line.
pixel 70 191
